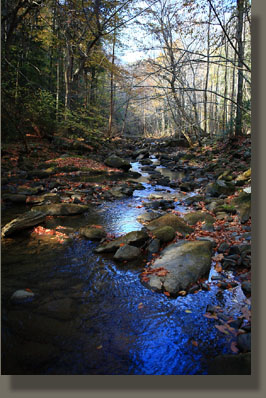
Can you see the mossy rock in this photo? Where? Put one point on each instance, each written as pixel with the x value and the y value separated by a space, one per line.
pixel 220 187
pixel 193 217
pixel 185 262
pixel 63 209
pixel 243 178
pixel 164 234
pixel 93 233
pixel 134 238
pixel 171 220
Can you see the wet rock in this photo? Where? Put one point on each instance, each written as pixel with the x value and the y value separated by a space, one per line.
pixel 63 209
pixel 223 247
pixel 26 220
pixel 134 238
pixel 22 295
pixel 164 234
pixel 207 238
pixel 170 220
pixel 244 342
pixel 243 206
pixel 193 199
pixel 127 253
pixel 122 191
pixel 246 287
pixel 220 187
pixel 25 190
pixel 193 217
pixel 146 162
pixel 154 246
pixel 185 262
pixel 185 186
pixel 243 178
pixel 117 162
pixel 93 233
pixel 14 198
pixel 230 365
pixel 64 309
pixel 148 216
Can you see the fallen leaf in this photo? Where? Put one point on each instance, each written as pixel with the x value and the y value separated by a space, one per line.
pixel 99 347
pixel 195 343
pixel 222 328
pixel 182 292
pixel 167 294
pixel 210 316
pixel 234 347
pixel 188 311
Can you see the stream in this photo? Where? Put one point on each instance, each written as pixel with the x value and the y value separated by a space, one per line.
pixel 106 322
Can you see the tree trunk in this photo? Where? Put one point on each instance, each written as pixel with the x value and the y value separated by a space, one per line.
pixel 207 74
pixel 239 121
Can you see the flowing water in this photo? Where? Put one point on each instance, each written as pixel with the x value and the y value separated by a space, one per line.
pixel 101 319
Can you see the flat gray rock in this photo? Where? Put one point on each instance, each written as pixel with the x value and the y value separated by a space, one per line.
pixel 134 238
pixel 26 220
pixel 63 209
pixel 185 261
pixel 127 253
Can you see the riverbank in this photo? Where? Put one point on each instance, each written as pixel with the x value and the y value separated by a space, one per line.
pixel 194 184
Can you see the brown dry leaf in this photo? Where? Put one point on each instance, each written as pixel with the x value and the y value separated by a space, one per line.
pixel 182 293
pixel 218 258
pixel 234 347
pixel 210 316
pixel 222 328
pixel 140 306
pixel 195 343
pixel 167 294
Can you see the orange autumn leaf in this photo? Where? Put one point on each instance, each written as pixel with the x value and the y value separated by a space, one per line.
pixel 122 244
pixel 28 290
pixel 218 268
pixel 195 343
pixel 167 294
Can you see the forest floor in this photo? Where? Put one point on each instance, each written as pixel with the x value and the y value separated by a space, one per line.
pixel 217 176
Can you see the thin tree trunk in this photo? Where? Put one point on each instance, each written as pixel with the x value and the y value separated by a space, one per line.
pixel 239 121
pixel 207 73
pixel 111 114
pixel 225 89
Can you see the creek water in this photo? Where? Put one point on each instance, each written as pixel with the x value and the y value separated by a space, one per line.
pixel 108 322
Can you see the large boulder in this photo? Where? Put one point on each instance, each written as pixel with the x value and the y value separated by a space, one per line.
pixel 26 220
pixel 220 187
pixel 63 209
pixel 127 253
pixel 195 216
pixel 148 216
pixel 164 234
pixel 93 233
pixel 170 220
pixel 134 238
pixel 184 262
pixel 243 206
pixel 117 162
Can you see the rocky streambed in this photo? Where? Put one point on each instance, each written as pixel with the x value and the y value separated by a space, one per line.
pixel 143 272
